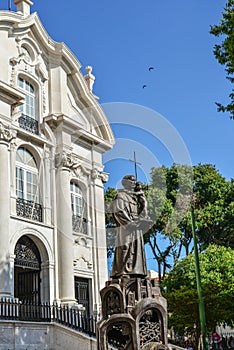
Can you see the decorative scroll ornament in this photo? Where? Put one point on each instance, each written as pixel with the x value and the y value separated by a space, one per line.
pixel 89 263
pixel 96 174
pixel 70 161
pixel 27 254
pixel 6 133
pixel 66 160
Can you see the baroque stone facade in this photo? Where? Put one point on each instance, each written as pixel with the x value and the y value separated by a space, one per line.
pixel 52 227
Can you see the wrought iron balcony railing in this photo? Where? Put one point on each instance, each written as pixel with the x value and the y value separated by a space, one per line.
pixel 28 209
pixel 79 224
pixel 29 124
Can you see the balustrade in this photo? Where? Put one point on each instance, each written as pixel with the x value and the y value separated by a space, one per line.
pixel 28 209
pixel 29 124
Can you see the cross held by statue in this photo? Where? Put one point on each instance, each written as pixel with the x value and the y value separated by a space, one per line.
pixel 135 164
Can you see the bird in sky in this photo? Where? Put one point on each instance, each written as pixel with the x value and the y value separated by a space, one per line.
pixel 151 68
pixel 144 86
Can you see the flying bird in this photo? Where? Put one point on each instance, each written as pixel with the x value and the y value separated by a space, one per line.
pixel 144 86
pixel 151 68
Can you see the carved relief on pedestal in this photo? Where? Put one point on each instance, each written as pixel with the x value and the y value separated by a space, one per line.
pixel 112 301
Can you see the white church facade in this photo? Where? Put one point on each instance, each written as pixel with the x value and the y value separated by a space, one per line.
pixel 53 133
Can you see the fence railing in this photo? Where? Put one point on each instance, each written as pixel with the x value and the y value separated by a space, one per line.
pixel 28 209
pixel 65 315
pixel 29 124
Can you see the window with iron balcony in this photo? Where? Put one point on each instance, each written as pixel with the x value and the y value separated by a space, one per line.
pixel 28 120
pixel 27 186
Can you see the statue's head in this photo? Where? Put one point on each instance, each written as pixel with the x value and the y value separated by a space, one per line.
pixel 139 186
pixel 129 182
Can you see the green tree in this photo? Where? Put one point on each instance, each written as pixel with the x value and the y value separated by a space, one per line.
pixel 169 199
pixel 217 277
pixel 224 52
pixel 110 224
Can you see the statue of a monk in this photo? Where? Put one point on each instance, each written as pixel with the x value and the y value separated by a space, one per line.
pixel 129 256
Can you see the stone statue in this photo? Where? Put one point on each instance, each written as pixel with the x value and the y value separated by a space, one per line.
pixel 129 210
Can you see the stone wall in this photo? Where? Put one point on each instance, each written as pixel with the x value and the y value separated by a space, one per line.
pixel 36 336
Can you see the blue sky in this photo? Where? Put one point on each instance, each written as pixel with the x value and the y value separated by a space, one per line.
pixel 121 40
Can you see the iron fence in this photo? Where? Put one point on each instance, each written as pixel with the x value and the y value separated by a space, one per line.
pixel 68 316
pixel 28 209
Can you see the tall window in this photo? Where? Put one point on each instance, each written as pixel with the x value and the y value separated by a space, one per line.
pixel 27 187
pixel 28 108
pixel 76 199
pixel 28 120
pixel 79 222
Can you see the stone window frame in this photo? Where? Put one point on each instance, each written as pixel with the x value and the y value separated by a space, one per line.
pixel 77 200
pixel 26 170
pixel 30 97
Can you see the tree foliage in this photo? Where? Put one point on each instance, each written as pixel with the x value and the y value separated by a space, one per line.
pixel 217 277
pixel 169 200
pixel 110 224
pixel 224 52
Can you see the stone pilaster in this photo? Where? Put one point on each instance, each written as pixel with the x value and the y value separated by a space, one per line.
pixel 64 226
pixel 47 184
pixel 6 136
pixel 99 231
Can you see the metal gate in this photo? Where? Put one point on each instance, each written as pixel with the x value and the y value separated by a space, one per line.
pixel 27 271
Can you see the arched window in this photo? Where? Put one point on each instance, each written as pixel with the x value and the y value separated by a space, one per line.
pixel 28 120
pixel 27 185
pixel 77 206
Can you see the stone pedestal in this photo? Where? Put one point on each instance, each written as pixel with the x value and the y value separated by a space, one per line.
pixel 134 315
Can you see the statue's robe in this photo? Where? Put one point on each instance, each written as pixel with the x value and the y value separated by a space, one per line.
pixel 129 256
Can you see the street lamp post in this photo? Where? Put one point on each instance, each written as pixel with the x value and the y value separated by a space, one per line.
pixel 199 287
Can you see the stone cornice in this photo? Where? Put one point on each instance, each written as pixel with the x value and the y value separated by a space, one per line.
pixel 10 95
pixel 18 26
